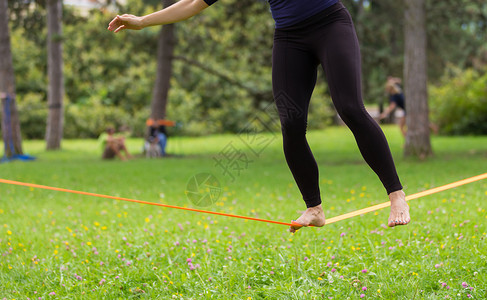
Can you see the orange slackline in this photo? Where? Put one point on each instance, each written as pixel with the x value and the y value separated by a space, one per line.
pixel 328 221
pixel 136 201
pixel 410 197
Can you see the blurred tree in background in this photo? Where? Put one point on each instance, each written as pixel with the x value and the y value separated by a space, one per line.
pixel 10 125
pixel 221 64
pixel 165 54
pixel 418 141
pixel 55 91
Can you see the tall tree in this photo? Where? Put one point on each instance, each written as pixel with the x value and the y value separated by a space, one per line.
pixel 55 94
pixel 165 54
pixel 10 119
pixel 415 75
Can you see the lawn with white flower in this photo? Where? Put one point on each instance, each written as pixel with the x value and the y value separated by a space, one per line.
pixel 56 245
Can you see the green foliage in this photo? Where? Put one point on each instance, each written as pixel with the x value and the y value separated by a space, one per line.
pixel 81 124
pixel 86 120
pixel 459 104
pixel 116 72
pixel 222 66
pixel 456 33
pixel 32 115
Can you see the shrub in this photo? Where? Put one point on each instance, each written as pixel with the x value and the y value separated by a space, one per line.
pixel 32 115
pixel 80 120
pixel 459 105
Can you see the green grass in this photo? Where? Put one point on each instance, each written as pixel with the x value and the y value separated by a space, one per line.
pixel 82 247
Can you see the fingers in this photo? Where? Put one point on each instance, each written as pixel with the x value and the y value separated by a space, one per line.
pixel 117 24
pixel 113 21
pixel 120 28
pixel 114 24
pixel 124 22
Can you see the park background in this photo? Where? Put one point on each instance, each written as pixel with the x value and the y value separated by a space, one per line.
pixel 218 90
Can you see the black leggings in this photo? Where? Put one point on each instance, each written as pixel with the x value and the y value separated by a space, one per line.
pixel 329 39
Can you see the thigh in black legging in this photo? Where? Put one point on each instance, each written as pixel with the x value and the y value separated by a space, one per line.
pixel 294 71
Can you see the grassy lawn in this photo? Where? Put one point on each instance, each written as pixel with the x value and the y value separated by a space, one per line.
pixel 55 245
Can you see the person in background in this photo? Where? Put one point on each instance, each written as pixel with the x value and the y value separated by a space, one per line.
pixel 396 100
pixel 161 134
pixel 113 146
pixel 157 135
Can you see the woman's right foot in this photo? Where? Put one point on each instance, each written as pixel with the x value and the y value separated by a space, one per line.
pixel 313 216
pixel 399 209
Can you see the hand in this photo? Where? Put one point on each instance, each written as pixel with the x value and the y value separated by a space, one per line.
pixel 125 22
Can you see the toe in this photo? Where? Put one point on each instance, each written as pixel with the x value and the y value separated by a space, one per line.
pixel 403 221
pixel 295 226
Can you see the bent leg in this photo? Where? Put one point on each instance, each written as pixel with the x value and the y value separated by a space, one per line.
pixel 162 143
pixel 340 57
pixel 402 125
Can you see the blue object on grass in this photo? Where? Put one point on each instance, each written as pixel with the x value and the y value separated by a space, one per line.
pixel 8 140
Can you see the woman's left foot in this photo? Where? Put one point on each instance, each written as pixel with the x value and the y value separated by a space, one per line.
pixel 313 216
pixel 399 209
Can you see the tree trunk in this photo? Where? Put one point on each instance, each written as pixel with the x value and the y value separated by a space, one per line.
pixel 10 118
pixel 415 65
pixel 55 94
pixel 165 51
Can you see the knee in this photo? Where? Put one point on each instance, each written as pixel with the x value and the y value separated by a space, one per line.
pixel 352 114
pixel 292 128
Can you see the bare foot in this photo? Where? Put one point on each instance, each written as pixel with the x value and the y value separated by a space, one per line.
pixel 399 209
pixel 313 216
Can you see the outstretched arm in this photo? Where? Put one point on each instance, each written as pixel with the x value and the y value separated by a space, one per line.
pixel 181 10
pixel 388 110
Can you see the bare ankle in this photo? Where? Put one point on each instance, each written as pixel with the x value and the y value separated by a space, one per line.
pixel 317 207
pixel 397 195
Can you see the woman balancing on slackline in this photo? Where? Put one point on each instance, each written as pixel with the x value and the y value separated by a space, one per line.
pixel 309 33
